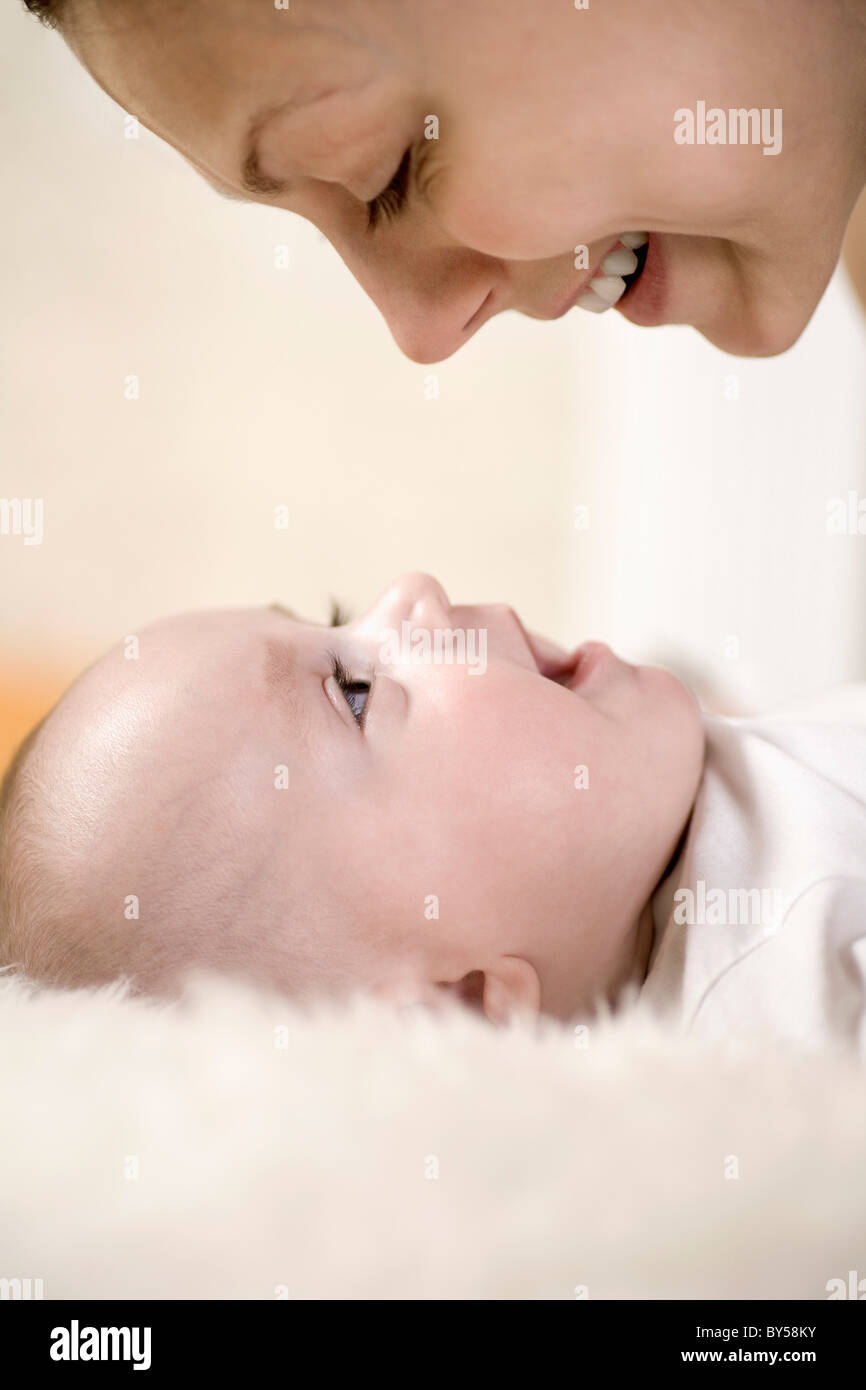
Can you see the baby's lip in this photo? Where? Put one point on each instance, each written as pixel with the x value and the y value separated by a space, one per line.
pixel 551 661
pixel 569 669
pixel 588 657
pixel 572 670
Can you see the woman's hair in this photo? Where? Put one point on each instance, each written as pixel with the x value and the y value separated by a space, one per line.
pixel 46 11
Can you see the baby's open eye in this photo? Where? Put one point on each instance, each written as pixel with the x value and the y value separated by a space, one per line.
pixel 356 692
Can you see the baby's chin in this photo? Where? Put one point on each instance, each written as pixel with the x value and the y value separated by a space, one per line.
pixel 598 673
pixel 669 695
pixel 675 712
pixel 662 706
pixel 666 685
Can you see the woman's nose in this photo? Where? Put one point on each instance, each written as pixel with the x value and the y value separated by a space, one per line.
pixel 433 300
pixel 428 332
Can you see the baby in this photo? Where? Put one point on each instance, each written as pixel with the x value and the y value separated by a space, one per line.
pixel 431 802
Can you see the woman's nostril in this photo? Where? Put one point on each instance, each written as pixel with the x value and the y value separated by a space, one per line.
pixel 475 320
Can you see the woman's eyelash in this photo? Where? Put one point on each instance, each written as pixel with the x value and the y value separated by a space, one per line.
pixel 392 200
pixel 350 687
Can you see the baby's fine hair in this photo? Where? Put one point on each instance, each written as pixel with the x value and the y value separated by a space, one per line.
pixel 17 792
pixel 56 928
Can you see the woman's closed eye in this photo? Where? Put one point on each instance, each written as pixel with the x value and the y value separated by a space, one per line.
pixel 355 692
pixel 392 200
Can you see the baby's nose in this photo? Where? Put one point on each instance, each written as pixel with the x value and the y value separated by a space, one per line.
pixel 416 595
pixel 415 598
pixel 427 598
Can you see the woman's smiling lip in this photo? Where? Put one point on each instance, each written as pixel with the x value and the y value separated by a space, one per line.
pixel 645 303
pixel 488 307
pixel 574 295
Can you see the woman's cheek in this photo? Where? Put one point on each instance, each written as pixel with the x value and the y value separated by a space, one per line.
pixel 510 205
pixel 473 203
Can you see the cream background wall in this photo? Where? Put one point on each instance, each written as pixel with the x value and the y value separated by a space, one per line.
pixel 707 543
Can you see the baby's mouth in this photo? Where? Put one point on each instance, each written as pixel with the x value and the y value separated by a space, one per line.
pixel 618 273
pixel 568 669
pixel 564 676
pixel 577 667
pixel 550 660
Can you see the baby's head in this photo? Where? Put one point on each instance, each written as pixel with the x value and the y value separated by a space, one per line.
pixel 423 801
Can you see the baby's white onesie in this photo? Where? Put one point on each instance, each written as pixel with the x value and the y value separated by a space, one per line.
pixel 760 925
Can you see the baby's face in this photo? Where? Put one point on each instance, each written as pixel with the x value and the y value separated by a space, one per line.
pixel 555 131
pixel 503 813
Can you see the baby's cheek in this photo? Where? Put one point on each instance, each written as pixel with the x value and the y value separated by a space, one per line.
pixel 541 762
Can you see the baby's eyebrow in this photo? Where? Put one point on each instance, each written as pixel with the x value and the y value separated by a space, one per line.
pixel 285 683
pixel 339 617
pixel 280 669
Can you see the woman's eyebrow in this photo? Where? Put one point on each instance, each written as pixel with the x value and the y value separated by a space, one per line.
pixel 252 177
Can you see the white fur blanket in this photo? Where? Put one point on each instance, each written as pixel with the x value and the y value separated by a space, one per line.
pixel 233 1146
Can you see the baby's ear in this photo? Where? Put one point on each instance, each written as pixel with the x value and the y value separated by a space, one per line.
pixel 468 991
pixel 509 987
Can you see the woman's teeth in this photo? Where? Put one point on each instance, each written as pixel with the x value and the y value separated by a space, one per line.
pixel 608 285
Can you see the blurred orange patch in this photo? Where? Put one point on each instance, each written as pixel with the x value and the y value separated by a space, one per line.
pixel 23 702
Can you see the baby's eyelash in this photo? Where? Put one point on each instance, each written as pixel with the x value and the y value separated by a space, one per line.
pixel 350 687
pixel 341 674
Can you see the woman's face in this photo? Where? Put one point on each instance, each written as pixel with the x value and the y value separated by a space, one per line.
pixel 553 129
